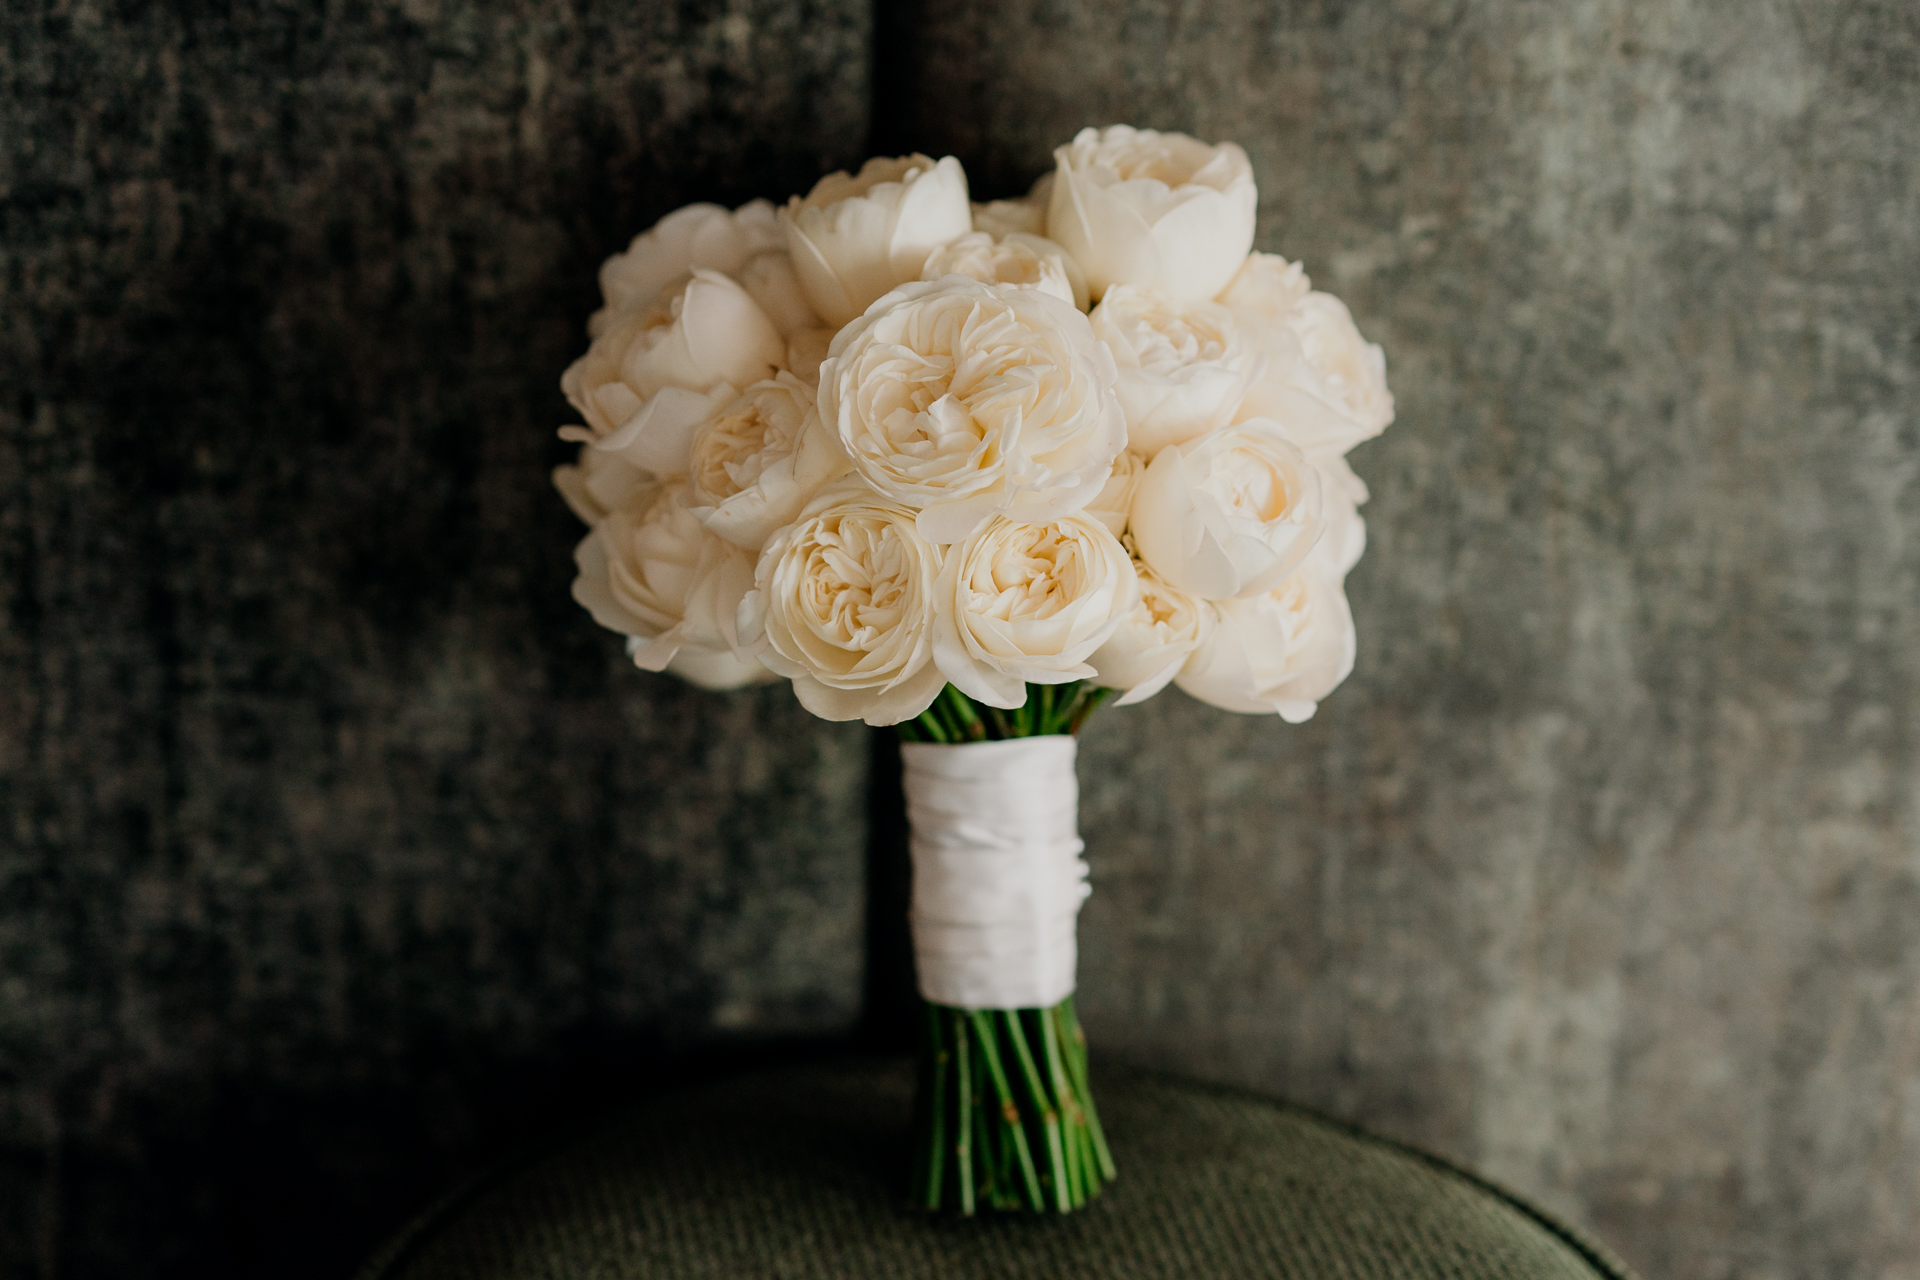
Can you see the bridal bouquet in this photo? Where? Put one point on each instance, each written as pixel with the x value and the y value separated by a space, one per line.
pixel 971 470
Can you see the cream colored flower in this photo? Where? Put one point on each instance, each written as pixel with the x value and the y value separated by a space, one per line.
pixel 843 605
pixel 1017 260
pixel 1323 382
pixel 1341 493
pixel 962 400
pixel 652 572
pixel 1115 500
pixel 647 381
pixel 1010 217
pixel 806 350
pixel 598 482
pixel 715 668
pixel 756 462
pixel 770 281
pixel 1160 210
pixel 1154 640
pixel 1228 514
pixel 1184 366
pixel 1020 603
pixel 700 235
pixel 1352 370
pixel 855 238
pixel 1276 652
pixel 1266 289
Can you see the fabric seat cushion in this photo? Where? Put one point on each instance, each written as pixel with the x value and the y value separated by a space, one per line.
pixel 798 1173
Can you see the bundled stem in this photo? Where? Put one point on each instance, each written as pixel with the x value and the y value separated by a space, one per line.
pixel 1004 1115
pixel 1005 1118
pixel 1049 709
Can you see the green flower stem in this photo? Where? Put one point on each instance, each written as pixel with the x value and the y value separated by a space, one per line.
pixel 1017 1086
pixel 997 1087
pixel 962 710
pixel 1049 709
pixel 1013 1132
pixel 964 1106
pixel 1076 1042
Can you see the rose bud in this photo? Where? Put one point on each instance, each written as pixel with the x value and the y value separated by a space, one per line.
pixel 1160 210
pixel 1230 513
pixel 855 238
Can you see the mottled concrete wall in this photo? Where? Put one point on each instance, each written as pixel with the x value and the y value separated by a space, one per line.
pixel 334 832
pixel 335 845
pixel 1603 872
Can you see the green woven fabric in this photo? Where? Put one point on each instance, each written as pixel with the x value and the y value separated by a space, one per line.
pixel 798 1173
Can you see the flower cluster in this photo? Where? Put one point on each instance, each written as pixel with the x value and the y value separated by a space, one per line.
pixel 885 440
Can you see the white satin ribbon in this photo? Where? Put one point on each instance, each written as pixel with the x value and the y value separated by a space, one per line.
pixel 997 874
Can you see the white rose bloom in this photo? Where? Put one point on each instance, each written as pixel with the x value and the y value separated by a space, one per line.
pixel 770 281
pixel 598 483
pixel 962 400
pixel 651 571
pixel 1020 603
pixel 1277 652
pixel 1153 641
pixel 700 235
pixel 843 605
pixel 1353 370
pixel 1184 365
pixel 1160 210
pixel 714 668
pixel 855 238
pixel 1341 493
pixel 806 349
pixel 1266 289
pixel 1115 500
pixel 1230 513
pixel 1009 217
pixel 1323 382
pixel 1017 260
pixel 1040 195
pixel 755 463
pixel 650 379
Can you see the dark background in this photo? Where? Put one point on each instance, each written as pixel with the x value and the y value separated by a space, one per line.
pixel 339 852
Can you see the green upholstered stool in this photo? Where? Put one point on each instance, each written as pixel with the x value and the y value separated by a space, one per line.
pixel 798 1174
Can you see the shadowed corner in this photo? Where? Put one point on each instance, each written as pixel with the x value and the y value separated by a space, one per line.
pixel 890 1010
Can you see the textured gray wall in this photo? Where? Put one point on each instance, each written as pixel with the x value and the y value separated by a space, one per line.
pixel 1603 872
pixel 335 846
pixel 332 834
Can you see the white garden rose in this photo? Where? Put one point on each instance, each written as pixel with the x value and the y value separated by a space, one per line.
pixel 598 482
pixel 650 570
pixel 1160 210
pixel 1009 217
pixel 653 376
pixel 1015 259
pixel 855 238
pixel 700 235
pixel 1266 288
pixel 1029 603
pixel 1322 381
pixel 1115 499
pixel 806 349
pixel 770 281
pixel 755 463
pixel 843 604
pixel 714 668
pixel 1184 365
pixel 1277 652
pixel 1353 370
pixel 1341 493
pixel 1154 640
pixel 963 400
pixel 1228 514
